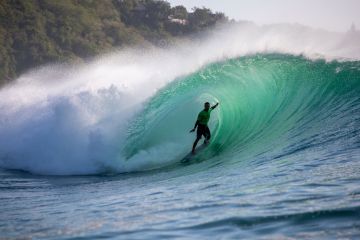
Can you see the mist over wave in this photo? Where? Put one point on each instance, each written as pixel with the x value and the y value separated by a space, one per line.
pixel 117 113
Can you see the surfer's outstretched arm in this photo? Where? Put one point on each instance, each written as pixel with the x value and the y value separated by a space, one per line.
pixel 213 107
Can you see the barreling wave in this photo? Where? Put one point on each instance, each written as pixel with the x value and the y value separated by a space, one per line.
pixel 271 105
pixel 133 114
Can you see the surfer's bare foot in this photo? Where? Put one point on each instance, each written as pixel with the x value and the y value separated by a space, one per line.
pixel 193 152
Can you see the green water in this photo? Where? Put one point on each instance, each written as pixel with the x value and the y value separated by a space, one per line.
pixel 283 162
pixel 268 104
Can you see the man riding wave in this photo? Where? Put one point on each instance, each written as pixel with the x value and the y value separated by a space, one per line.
pixel 201 124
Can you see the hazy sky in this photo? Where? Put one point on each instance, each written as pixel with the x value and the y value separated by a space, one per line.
pixel 334 15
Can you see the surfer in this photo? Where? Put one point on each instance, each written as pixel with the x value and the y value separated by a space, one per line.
pixel 201 124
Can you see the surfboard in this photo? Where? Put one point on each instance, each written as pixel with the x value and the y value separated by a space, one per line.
pixel 190 156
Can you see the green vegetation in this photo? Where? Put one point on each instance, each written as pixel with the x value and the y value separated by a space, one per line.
pixel 35 32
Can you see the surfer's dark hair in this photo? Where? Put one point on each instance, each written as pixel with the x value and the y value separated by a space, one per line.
pixel 207 103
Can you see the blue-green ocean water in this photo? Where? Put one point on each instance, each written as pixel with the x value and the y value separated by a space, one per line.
pixel 283 163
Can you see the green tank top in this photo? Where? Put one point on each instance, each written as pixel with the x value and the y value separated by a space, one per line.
pixel 204 117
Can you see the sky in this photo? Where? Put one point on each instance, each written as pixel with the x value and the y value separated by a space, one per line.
pixel 332 15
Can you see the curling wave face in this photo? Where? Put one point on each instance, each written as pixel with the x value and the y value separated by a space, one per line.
pixel 127 112
pixel 271 105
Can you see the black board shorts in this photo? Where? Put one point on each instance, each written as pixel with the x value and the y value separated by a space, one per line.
pixel 203 130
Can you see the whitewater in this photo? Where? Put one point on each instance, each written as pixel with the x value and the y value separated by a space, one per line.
pixel 93 150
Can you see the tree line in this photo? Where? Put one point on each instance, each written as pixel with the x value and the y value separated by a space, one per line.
pixel 36 32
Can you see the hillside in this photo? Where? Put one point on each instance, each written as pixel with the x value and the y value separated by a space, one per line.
pixel 36 32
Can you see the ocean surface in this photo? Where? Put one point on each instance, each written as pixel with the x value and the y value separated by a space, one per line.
pixel 103 160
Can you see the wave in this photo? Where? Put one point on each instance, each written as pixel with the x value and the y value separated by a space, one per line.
pixel 131 111
pixel 271 105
